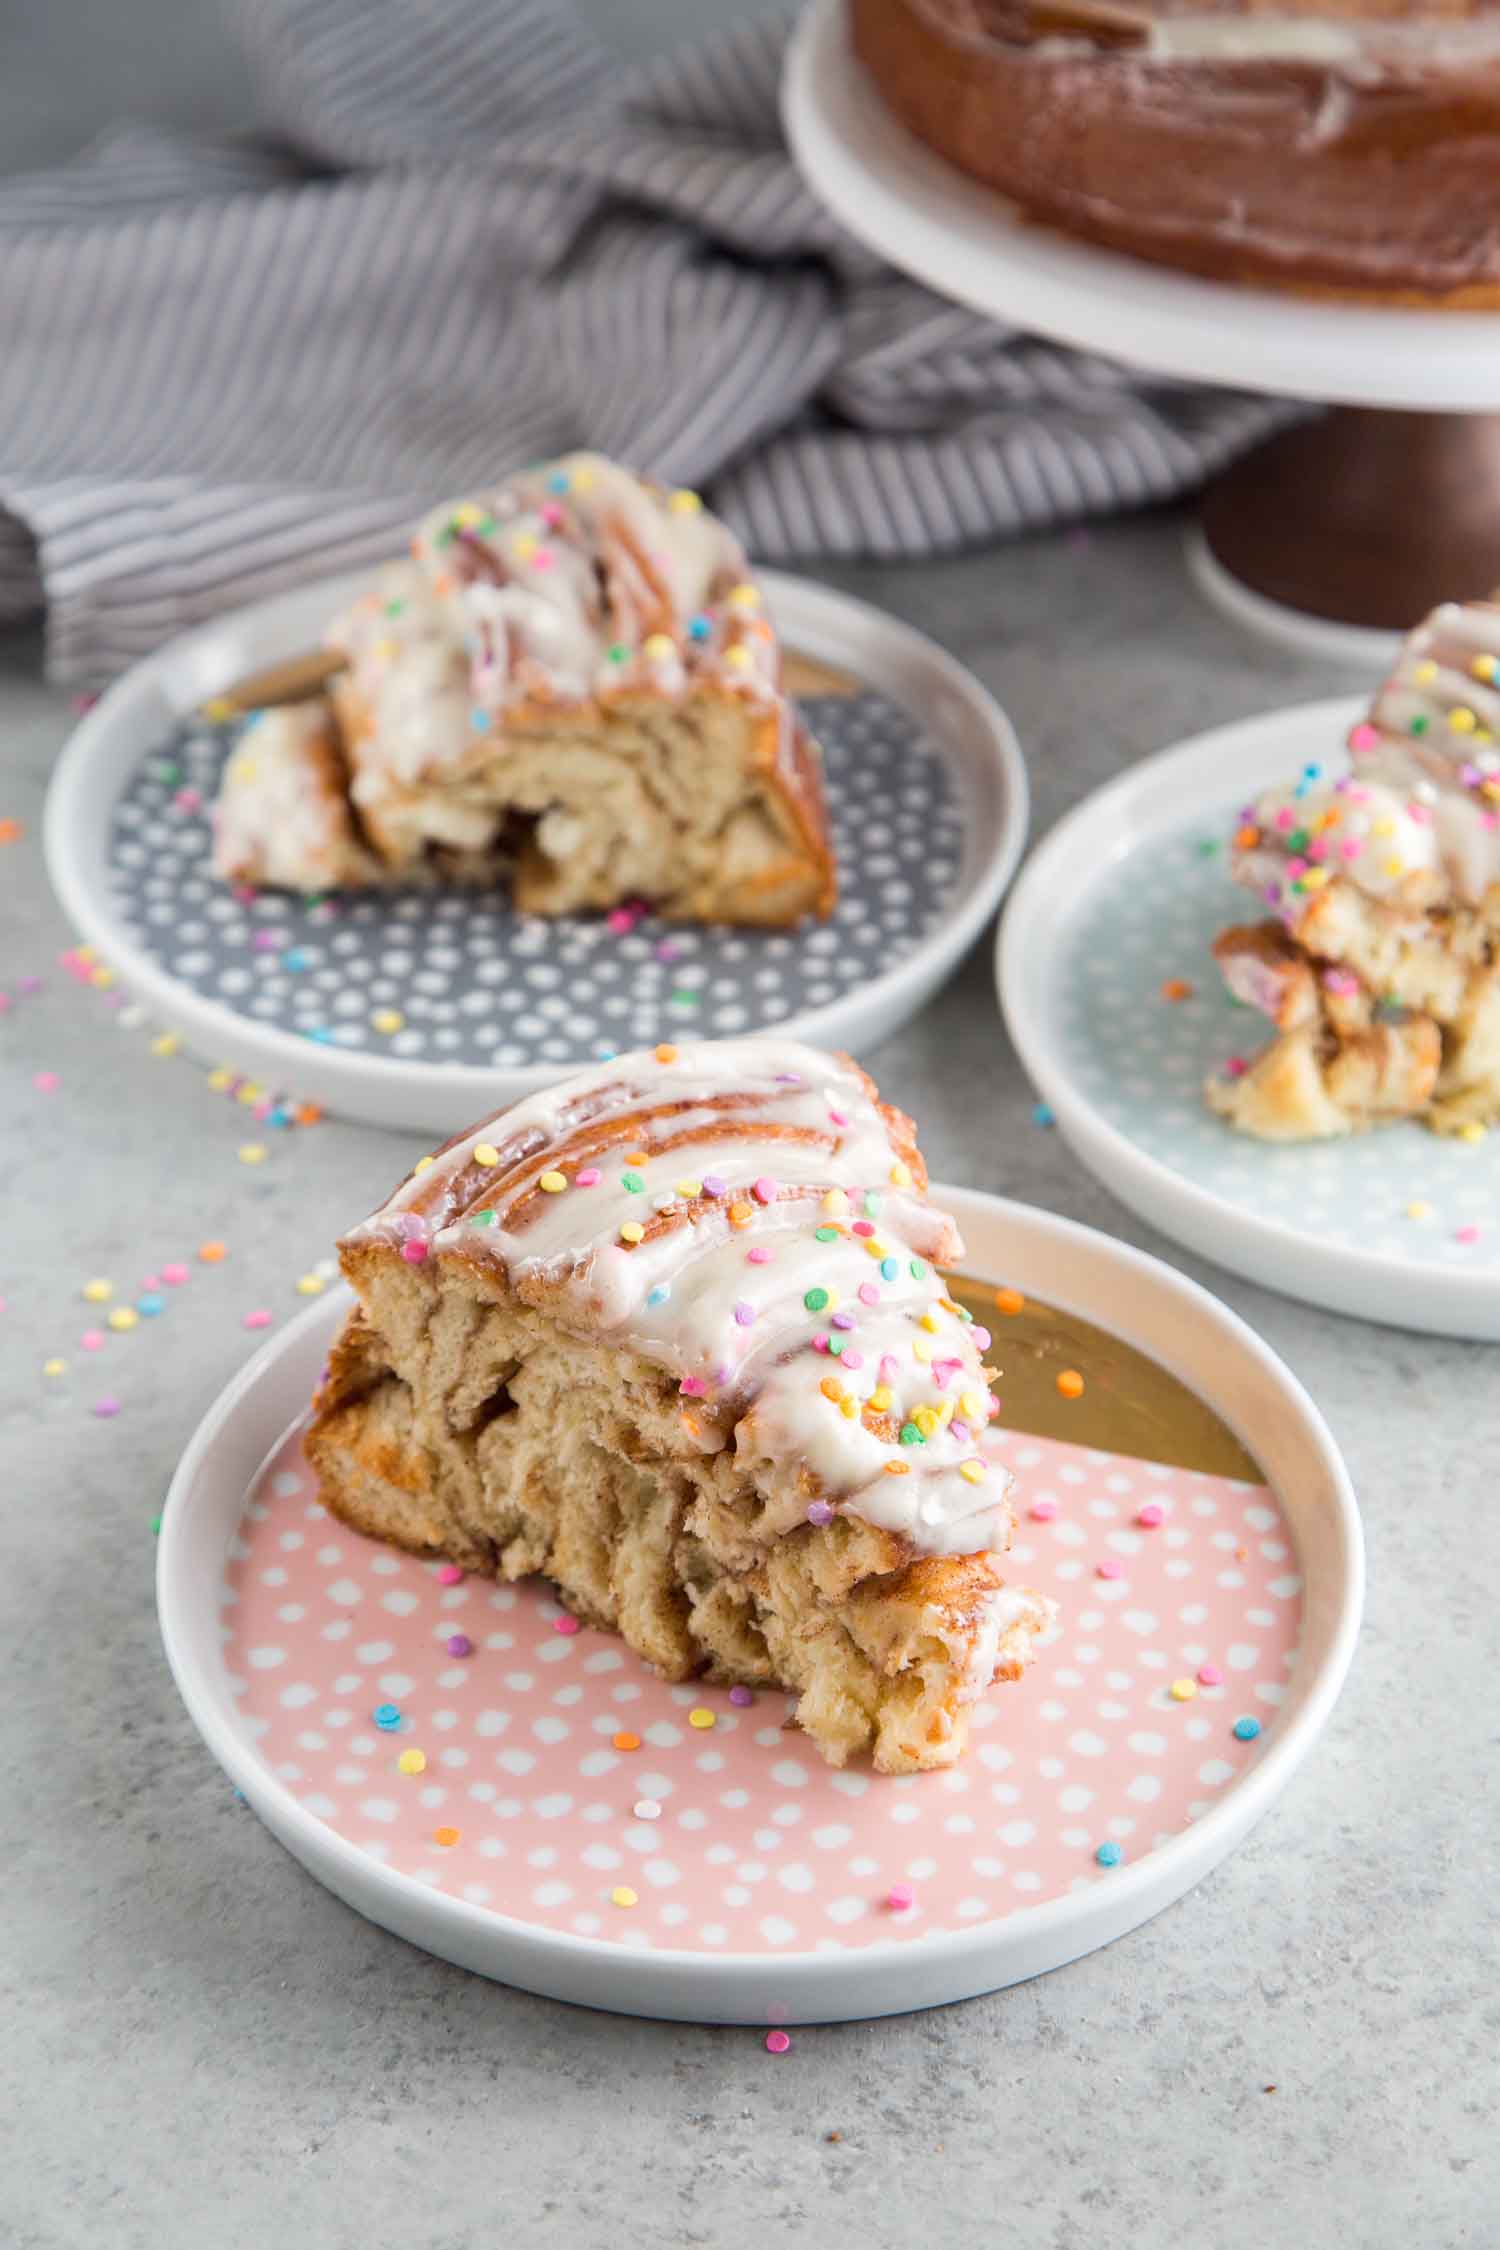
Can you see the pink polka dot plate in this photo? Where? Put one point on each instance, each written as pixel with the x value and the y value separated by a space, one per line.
pixel 463 1765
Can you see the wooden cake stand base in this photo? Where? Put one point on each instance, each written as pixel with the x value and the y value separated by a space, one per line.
pixel 1365 517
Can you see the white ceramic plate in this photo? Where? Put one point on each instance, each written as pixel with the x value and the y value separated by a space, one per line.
pixel 963 240
pixel 1125 896
pixel 767 1902
pixel 924 772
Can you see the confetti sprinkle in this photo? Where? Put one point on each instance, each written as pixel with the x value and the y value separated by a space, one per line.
pixel 1109 1855
pixel 1009 1301
pixel 1042 1511
pixel 165 1044
pixel 1470 1233
pixel 412 1761
pixel 1109 1568
pixel 123 1318
pixel 777 2042
pixel 741 1697
pixel 623 1895
pixel 445 1836
pixel 900 1897
pixel 1210 1675
pixel 1070 1383
pixel 1042 1114
pixel 1151 1515
pixel 311 1285
pixel 626 1741
pixel 260 1318
pixel 450 1574
pixel 1245 1730
pixel 98 1292
pixel 459 1644
pixel 1177 988
pixel 646 1808
pixel 106 1408
pixel 46 1081
pixel 11 831
pixel 212 1253
pixel 819 1512
pixel 92 1340
pixel 485 1157
pixel 700 1716
pixel 252 1152
pixel 387 1716
pixel 552 1183
pixel 632 1231
pixel 54 1367
pixel 1183 1691
pixel 565 1625
pixel 388 1020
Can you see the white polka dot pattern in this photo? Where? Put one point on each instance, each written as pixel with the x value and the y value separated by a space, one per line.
pixel 736 1837
pixel 459 978
pixel 1142 1059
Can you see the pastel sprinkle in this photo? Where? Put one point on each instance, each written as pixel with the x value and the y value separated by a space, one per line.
pixel 98 1292
pixel 552 1183
pixel 567 1626
pixel 1469 1233
pixel 1151 1515
pixel 1109 1855
pixel 658 1295
pixel 459 1644
pixel 815 1299
pixel 1245 1730
pixel 414 1250
pixel 412 1761
pixel 623 1895
pixel 174 1276
pixel 632 1231
pixel 713 1185
pixel 777 2042
pixel 46 1081
pixel 626 1741
pixel 449 1574
pixel 388 1020
pixel 92 1340
pixel 445 1836
pixel 1109 1568
pixel 590 1176
pixel 763 1190
pixel 744 1313
pixel 819 1512
pixel 1009 1301
pixel 106 1408
pixel 1042 1114
pixel 1183 1691
pixel 486 1156
pixel 700 1717
pixel 387 1716
pixel 260 1318
pixel 1070 1383
pixel 741 1697
pixel 646 1808
pixel 900 1897
pixel 124 1317
pixel 212 1253
pixel 1210 1676
pixel 54 1367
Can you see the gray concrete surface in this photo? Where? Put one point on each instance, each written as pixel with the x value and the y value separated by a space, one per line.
pixel 200 2047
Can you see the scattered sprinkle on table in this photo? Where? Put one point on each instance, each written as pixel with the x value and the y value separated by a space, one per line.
pixel 1041 1114
pixel 1183 1691
pixel 174 1276
pixel 412 1761
pixel 311 1285
pixel 626 1741
pixel 252 1152
pixel 98 1292
pixel 1109 1855
pixel 165 1044
pixel 701 1716
pixel 1246 1730
pixel 54 1367
pixel 92 1340
pixel 1070 1383
pixel 777 2042
pixel 1418 1209
pixel 46 1081
pixel 124 1317
pixel 11 831
pixel 623 1895
pixel 212 1253
pixel 1177 988
pixel 106 1408
pixel 259 1318
pixel 566 1625
pixel 1468 1233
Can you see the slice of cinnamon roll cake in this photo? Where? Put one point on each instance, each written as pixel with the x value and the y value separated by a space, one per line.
pixel 673 1333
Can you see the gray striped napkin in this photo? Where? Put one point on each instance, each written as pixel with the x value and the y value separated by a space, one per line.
pixel 476 241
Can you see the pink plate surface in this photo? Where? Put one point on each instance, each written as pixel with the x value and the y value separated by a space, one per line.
pixel 734 1836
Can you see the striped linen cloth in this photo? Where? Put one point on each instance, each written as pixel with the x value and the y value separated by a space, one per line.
pixel 477 240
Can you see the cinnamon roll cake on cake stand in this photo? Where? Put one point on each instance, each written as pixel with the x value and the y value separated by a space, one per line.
pixel 1381 967
pixel 570 688
pixel 674 1334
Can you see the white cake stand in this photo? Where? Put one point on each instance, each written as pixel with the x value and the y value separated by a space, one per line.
pixel 1330 538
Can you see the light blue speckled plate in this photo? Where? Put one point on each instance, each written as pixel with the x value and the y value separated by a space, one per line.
pixel 1125 897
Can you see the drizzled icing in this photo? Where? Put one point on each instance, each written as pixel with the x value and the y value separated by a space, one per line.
pixel 279 816
pixel 747 1217
pixel 1416 823
pixel 572 581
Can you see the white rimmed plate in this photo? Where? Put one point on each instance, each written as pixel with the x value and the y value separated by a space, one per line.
pixel 411 1012
pixel 960 238
pixel 1124 897
pixel 766 1900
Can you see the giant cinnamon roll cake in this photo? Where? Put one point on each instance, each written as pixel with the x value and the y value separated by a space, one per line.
pixel 1346 146
pixel 673 1333
pixel 572 686
pixel 1380 966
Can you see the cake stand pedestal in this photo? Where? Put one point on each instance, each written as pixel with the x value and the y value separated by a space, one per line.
pixel 1333 536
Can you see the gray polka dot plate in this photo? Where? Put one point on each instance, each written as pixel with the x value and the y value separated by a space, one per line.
pixel 1113 917
pixel 424 1010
